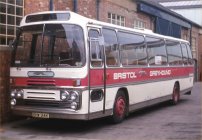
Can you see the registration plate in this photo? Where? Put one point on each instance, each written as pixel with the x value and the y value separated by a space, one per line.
pixel 40 115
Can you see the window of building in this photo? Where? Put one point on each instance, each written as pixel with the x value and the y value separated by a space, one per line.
pixel 116 19
pixel 133 49
pixel 156 51
pixel 111 47
pixel 139 24
pixel 185 37
pixel 174 53
pixel 11 13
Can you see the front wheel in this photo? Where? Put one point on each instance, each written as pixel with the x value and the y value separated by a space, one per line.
pixel 120 108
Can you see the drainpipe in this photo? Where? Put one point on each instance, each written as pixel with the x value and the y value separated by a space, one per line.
pixel 75 2
pixel 51 5
pixel 97 8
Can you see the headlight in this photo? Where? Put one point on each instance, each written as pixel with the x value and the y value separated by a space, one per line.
pixel 17 93
pixel 13 102
pixel 74 95
pixel 13 93
pixel 64 95
pixel 74 105
pixel 20 93
pixel 70 98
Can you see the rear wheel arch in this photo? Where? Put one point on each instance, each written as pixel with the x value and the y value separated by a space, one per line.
pixel 178 83
pixel 176 93
pixel 120 106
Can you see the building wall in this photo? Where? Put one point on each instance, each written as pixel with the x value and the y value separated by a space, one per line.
pixel 63 5
pixel 200 55
pixel 88 8
pixel 4 85
pixel 32 6
pixel 185 34
pixel 128 9
pixel 195 36
pixel 195 48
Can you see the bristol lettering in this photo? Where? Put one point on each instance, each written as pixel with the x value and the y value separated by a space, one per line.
pixel 125 75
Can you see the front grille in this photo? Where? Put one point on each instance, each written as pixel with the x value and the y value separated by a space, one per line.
pixel 41 103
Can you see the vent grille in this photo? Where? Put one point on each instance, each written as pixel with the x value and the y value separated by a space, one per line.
pixel 41 82
pixel 44 103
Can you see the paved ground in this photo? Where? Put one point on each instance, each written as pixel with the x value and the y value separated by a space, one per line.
pixel 161 122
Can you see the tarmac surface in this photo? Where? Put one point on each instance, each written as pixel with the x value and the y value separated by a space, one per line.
pixel 159 122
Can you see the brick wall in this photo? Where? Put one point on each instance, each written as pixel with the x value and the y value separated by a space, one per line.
pixel 32 6
pixel 195 35
pixel 200 56
pixel 87 8
pixel 63 5
pixel 128 9
pixel 4 85
pixel 185 34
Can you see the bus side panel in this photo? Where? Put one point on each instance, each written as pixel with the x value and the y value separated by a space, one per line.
pixel 186 83
pixel 148 91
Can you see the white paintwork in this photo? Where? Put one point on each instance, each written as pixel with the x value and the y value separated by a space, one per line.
pixel 59 72
pixel 142 92
pixel 137 93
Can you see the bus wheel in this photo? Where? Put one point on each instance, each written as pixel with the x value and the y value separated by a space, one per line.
pixel 176 94
pixel 120 108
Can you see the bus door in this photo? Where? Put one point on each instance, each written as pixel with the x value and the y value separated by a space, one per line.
pixel 97 81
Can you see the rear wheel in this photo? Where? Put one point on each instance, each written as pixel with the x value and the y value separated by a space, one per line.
pixel 176 94
pixel 120 108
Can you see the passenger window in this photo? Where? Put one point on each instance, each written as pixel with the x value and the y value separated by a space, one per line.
pixel 133 49
pixel 184 54
pixel 95 48
pixel 111 47
pixel 174 53
pixel 156 51
pixel 93 33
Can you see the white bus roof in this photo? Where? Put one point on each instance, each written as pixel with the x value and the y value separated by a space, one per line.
pixel 81 20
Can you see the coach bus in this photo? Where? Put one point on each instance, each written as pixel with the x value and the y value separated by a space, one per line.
pixel 67 66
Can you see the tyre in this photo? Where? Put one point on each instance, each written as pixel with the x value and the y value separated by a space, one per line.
pixel 176 94
pixel 120 108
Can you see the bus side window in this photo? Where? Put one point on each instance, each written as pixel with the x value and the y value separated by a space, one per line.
pixel 190 59
pixel 174 53
pixel 133 49
pixel 156 51
pixel 95 49
pixel 184 54
pixel 111 47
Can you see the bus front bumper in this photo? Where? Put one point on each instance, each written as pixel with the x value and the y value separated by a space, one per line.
pixel 48 113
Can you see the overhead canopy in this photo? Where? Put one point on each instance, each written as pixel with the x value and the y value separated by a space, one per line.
pixel 156 12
